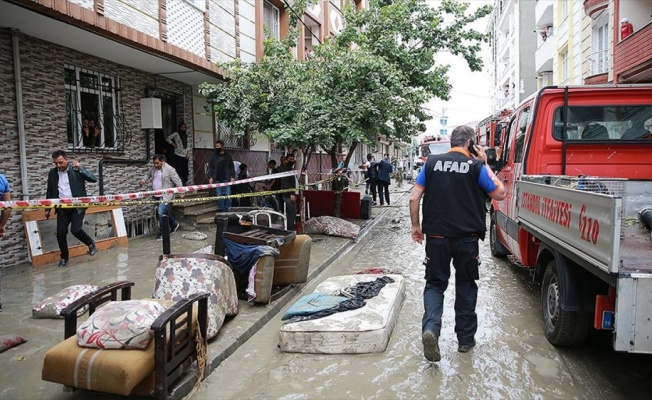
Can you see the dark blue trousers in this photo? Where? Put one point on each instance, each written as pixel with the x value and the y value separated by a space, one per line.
pixel 464 254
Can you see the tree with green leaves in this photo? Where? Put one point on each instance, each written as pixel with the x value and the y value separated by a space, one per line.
pixel 372 79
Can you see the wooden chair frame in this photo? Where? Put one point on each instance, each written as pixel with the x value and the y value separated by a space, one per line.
pixel 174 345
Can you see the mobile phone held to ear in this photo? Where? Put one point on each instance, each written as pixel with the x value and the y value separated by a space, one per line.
pixel 472 149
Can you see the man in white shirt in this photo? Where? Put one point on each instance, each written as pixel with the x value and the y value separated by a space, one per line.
pixel 364 167
pixel 163 176
pixel 68 180
pixel 181 155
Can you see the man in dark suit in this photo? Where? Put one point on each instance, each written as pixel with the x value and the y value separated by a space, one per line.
pixel 385 168
pixel 67 180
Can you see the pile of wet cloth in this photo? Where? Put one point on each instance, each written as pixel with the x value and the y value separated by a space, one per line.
pixel 244 259
pixel 318 305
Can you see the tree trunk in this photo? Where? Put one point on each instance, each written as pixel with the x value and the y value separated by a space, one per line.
pixel 338 184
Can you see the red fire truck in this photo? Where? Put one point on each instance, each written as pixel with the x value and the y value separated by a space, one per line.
pixel 490 130
pixel 435 144
pixel 576 165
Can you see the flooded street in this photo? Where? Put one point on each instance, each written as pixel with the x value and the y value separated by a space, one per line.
pixel 512 360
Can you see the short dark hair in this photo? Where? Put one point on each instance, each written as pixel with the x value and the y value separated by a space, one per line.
pixel 271 162
pixel 461 134
pixel 158 157
pixel 182 123
pixel 369 156
pixel 242 166
pixel 59 153
pixel 220 141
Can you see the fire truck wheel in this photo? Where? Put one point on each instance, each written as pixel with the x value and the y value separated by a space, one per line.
pixel 497 248
pixel 562 328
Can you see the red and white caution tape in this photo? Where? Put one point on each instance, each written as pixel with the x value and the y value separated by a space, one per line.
pixel 90 200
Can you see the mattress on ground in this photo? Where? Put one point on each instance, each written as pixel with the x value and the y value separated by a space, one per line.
pixel 365 330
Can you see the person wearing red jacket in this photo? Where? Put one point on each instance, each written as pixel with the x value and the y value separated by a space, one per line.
pixel 626 28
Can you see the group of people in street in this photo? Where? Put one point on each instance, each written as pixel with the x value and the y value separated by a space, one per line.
pixel 221 169
pixel 377 177
pixel 453 187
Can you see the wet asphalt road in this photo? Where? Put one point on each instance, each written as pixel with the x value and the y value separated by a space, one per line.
pixel 512 360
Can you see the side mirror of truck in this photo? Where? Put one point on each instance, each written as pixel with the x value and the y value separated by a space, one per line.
pixel 492 161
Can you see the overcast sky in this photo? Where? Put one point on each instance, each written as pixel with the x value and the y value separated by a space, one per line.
pixel 471 91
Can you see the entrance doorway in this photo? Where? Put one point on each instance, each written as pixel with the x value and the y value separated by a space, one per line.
pixel 169 117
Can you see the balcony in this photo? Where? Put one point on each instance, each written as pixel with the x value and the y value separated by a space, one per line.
pixel 599 62
pixel 633 57
pixel 543 56
pixel 598 71
pixel 543 13
pixel 593 6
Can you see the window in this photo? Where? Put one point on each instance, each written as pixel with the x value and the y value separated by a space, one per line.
pixel 271 21
pixel 234 140
pixel 597 123
pixel 599 58
pixel 523 122
pixel 91 105
pixel 564 66
pixel 311 32
pixel 564 9
pixel 508 140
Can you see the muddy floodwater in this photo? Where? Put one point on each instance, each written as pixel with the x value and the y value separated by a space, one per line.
pixel 512 360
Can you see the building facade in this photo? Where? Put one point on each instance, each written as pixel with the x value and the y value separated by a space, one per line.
pixel 513 41
pixel 576 43
pixel 73 74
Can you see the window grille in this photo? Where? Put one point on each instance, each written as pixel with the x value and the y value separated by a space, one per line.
pixel 233 140
pixel 93 121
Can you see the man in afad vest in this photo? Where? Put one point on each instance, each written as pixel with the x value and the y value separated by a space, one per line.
pixel 453 186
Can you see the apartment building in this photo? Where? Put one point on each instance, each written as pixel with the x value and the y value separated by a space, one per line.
pixel 74 72
pixel 513 42
pixel 632 55
pixel 560 56
pixel 607 56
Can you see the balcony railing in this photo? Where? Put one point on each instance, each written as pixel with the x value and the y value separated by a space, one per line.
pixel 591 7
pixel 599 62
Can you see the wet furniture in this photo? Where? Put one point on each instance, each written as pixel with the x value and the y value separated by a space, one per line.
pixel 356 331
pixel 129 372
pixel 179 275
pixel 289 267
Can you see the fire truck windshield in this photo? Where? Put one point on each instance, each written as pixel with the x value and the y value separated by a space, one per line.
pixel 434 148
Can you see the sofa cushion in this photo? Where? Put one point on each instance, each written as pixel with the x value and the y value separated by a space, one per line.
pixel 110 371
pixel 120 325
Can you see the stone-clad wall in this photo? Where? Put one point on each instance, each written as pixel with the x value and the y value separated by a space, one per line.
pixel 12 246
pixel 42 66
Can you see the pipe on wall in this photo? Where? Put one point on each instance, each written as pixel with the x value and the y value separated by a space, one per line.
pixel 24 178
